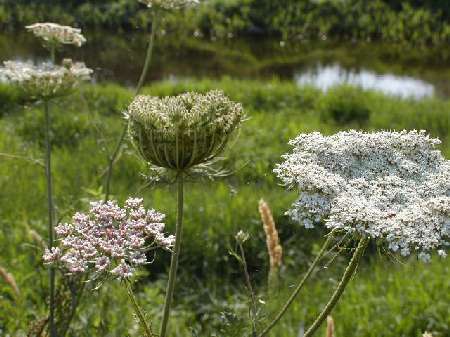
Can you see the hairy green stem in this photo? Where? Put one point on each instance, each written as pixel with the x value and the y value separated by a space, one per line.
pixel 148 58
pixel 175 256
pixel 299 286
pixel 138 310
pixel 51 214
pixel 250 289
pixel 349 271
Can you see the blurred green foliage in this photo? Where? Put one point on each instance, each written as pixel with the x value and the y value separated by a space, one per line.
pixel 401 21
pixel 344 105
pixel 391 300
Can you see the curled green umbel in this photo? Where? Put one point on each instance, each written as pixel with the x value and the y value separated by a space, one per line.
pixel 182 131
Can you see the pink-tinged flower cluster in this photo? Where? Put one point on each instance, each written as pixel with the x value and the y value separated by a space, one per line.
pixel 109 240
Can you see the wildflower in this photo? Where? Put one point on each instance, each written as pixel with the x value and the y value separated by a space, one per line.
pixel 109 240
pixel 392 186
pixel 51 255
pixel 45 81
pixel 242 236
pixel 123 270
pixel 53 33
pixel 183 131
pixel 169 4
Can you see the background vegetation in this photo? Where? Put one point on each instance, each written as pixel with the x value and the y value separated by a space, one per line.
pixel 412 22
pixel 252 39
pixel 388 298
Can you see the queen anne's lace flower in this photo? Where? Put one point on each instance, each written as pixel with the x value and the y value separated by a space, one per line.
pixel 169 4
pixel 53 33
pixel 183 131
pixel 46 80
pixel 109 240
pixel 393 186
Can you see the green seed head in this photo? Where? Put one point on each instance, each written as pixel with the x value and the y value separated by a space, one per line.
pixel 182 131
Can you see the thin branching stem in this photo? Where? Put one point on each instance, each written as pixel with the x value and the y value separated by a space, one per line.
pixel 299 286
pixel 147 62
pixel 349 271
pixel 175 255
pixel 51 215
pixel 253 309
pixel 138 310
pixel 148 56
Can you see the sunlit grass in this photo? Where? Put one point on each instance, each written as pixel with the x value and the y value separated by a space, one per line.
pixel 387 299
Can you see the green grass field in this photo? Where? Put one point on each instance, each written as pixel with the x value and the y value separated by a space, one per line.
pixel 386 299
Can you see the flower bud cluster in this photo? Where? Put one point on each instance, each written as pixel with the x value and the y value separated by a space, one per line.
pixel 182 131
pixel 109 240
pixel 47 80
pixel 393 186
pixel 53 33
pixel 169 4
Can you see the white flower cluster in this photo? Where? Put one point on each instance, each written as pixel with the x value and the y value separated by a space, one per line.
pixel 393 186
pixel 109 240
pixel 185 130
pixel 46 80
pixel 53 33
pixel 169 4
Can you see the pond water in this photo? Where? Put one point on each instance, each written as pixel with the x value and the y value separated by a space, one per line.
pixel 325 77
pixel 119 57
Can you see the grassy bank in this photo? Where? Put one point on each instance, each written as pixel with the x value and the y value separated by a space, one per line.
pixel 87 124
pixel 409 22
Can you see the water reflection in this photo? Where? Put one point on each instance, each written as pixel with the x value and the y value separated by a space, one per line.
pixel 119 57
pixel 325 77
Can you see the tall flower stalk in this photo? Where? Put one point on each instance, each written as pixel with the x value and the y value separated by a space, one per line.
pixel 157 8
pixel 110 242
pixel 51 215
pixel 349 272
pixel 147 328
pixel 43 83
pixel 241 237
pixel 175 254
pixel 142 77
pixel 181 134
pixel 389 187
